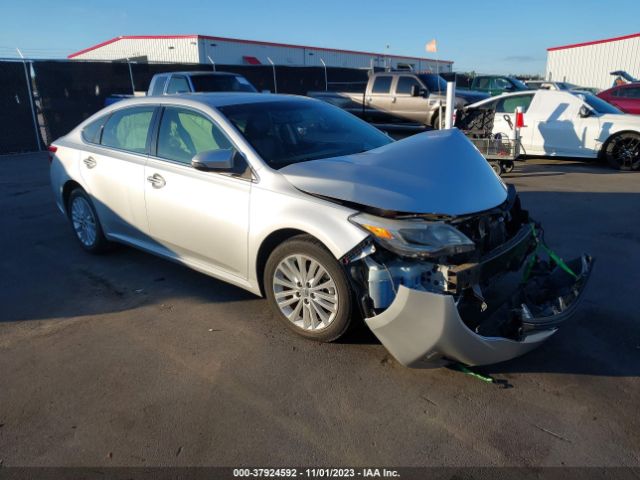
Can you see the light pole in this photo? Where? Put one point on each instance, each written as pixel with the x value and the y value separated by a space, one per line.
pixel 326 83
pixel 275 83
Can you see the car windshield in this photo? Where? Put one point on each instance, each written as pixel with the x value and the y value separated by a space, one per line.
pixel 597 104
pixel 435 83
pixel 221 83
pixel 293 131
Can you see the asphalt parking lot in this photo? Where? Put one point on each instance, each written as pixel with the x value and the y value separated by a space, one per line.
pixel 127 359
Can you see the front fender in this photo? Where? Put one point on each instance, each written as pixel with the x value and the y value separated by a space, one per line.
pixel 274 210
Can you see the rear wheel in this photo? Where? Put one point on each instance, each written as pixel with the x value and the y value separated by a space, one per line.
pixel 308 289
pixel 507 166
pixel 623 151
pixel 496 167
pixel 85 223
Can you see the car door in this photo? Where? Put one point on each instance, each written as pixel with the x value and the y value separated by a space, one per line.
pixel 112 169
pixel 626 98
pixel 200 217
pixel 559 129
pixel 378 99
pixel 406 106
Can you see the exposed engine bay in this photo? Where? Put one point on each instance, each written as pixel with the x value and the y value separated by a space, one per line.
pixel 501 286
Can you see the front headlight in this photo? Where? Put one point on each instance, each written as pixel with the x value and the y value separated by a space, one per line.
pixel 414 238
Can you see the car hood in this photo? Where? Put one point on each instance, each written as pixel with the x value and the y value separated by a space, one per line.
pixel 437 172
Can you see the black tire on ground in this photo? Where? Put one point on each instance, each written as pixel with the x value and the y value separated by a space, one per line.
pixel 622 151
pixel 81 202
pixel 435 121
pixel 309 248
pixel 496 167
pixel 507 166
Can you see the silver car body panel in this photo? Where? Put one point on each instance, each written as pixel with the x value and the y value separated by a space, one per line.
pixel 437 172
pixel 248 212
pixel 423 329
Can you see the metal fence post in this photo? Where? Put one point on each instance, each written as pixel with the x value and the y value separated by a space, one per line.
pixel 27 77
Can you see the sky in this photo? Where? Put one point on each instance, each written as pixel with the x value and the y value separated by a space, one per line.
pixel 487 36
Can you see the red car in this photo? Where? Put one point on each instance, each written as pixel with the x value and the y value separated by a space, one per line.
pixel 625 97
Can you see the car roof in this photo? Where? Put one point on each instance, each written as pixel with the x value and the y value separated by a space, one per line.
pixel 211 99
pixel 199 72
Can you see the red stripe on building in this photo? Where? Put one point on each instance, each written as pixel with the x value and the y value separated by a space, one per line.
pixel 595 42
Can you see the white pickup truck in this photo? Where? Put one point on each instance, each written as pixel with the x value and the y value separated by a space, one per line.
pixel 183 82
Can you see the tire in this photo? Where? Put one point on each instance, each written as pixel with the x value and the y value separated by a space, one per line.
pixel 435 121
pixel 323 318
pixel 507 166
pixel 85 223
pixel 496 167
pixel 623 151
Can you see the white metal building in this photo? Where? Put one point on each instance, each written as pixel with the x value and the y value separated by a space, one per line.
pixel 589 64
pixel 232 51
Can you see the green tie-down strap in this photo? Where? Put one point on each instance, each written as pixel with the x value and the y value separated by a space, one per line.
pixel 552 255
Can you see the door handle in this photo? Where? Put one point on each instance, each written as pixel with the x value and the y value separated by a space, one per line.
pixel 156 180
pixel 393 100
pixel 90 162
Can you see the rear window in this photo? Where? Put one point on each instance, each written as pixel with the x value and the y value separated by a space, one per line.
pixel 382 84
pixel 128 129
pixel 91 133
pixel 509 104
pixel 221 83
pixel 158 85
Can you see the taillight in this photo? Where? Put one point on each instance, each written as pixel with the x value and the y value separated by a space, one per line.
pixel 519 119
pixel 52 151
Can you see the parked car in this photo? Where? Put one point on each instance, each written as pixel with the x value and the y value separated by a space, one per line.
pixel 171 83
pixel 547 85
pixel 326 216
pixel 399 97
pixel 626 97
pixel 497 84
pixel 568 124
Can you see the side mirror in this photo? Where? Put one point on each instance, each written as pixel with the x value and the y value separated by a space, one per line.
pixel 214 160
pixel 415 91
pixel 584 112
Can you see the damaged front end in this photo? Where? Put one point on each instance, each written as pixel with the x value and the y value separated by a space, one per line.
pixel 470 289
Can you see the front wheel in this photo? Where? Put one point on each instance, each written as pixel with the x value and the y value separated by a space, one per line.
pixel 623 151
pixel 308 289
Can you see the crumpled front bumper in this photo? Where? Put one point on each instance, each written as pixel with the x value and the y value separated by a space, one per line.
pixel 422 329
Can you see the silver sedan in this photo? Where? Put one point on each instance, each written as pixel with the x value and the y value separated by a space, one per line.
pixel 331 220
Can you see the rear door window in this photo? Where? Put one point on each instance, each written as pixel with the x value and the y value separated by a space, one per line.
pixel 91 133
pixel 509 104
pixel 128 129
pixel 382 84
pixel 178 84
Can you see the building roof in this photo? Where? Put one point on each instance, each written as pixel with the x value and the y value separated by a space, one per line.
pixel 251 42
pixel 594 42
